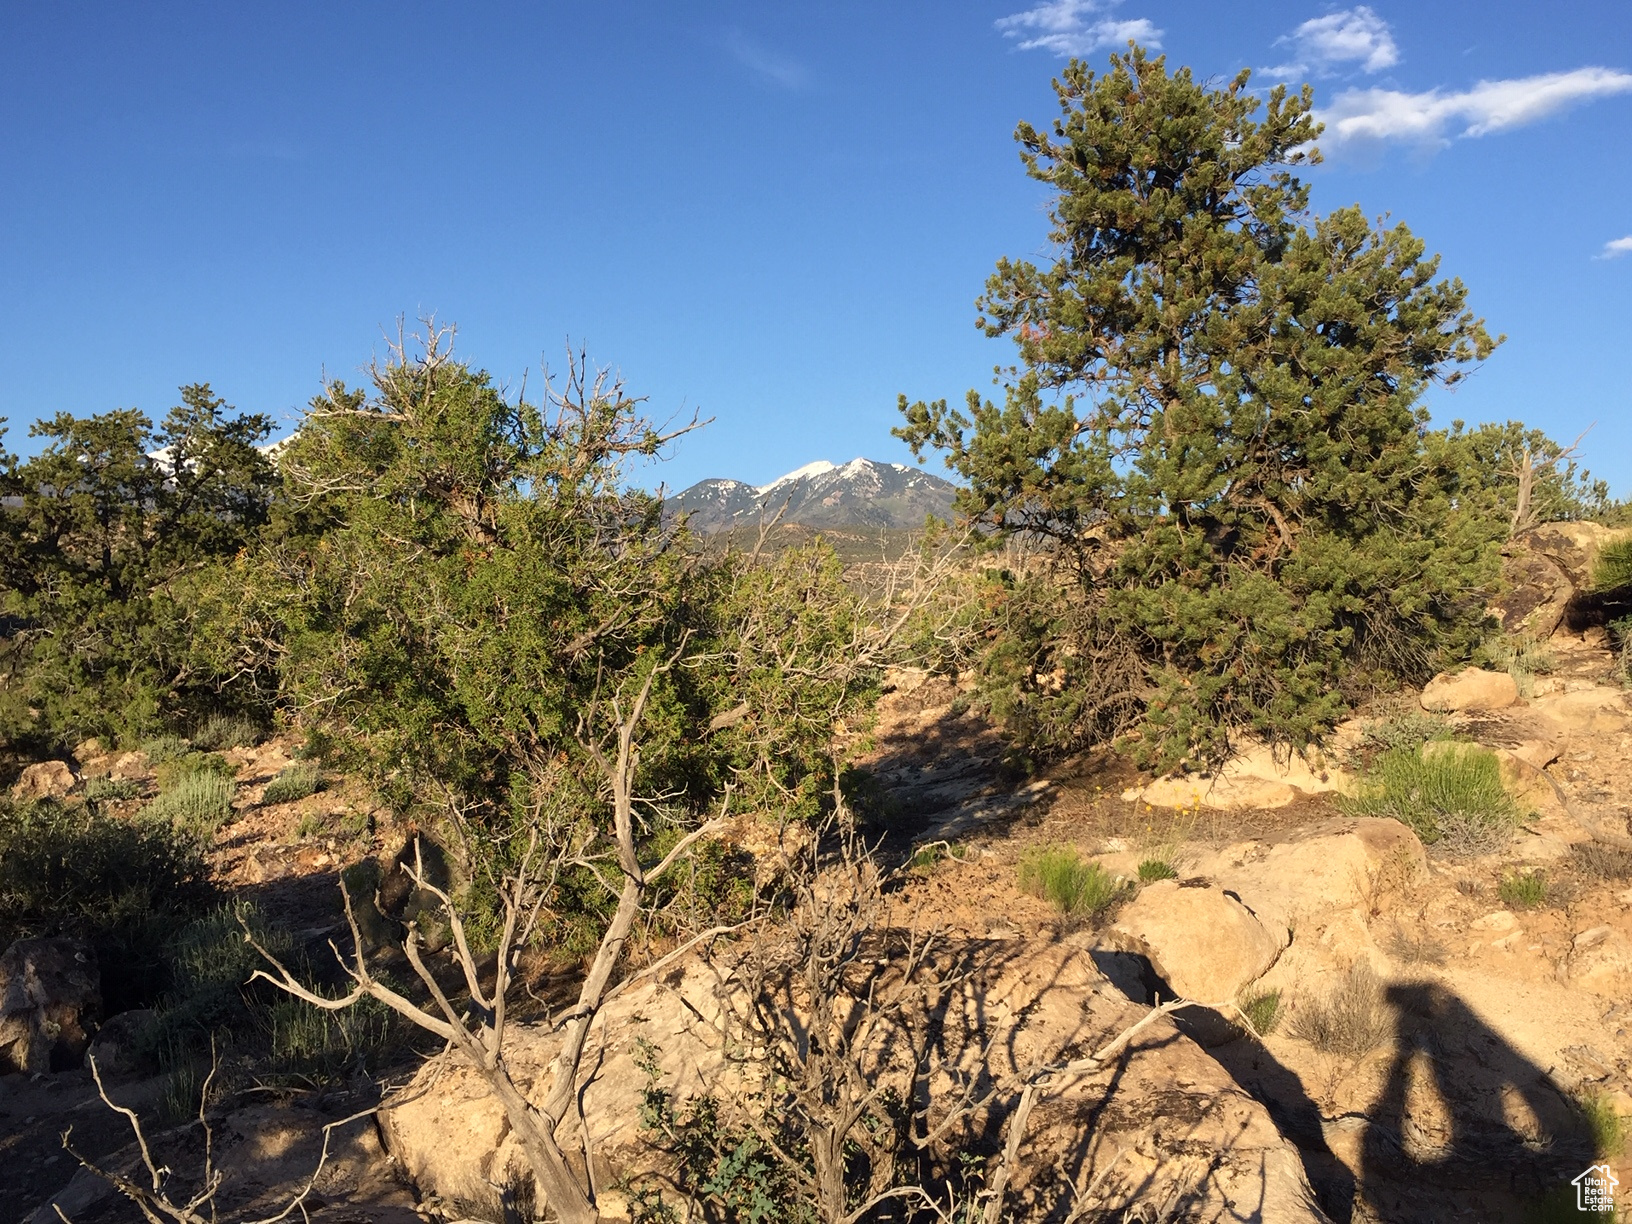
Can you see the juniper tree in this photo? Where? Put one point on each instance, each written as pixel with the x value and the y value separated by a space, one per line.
pixel 1215 426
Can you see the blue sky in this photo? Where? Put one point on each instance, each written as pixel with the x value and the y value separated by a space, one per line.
pixel 779 214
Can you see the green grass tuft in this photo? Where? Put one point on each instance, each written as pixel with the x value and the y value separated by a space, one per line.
pixel 1524 889
pixel 296 782
pixel 1450 793
pixel 1152 870
pixel 1080 888
pixel 165 748
pixel 1609 1129
pixel 105 789
pixel 1263 1011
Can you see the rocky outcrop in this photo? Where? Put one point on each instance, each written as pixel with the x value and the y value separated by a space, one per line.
pixel 1470 690
pixel 1163 1125
pixel 45 780
pixel 1200 939
pixel 1257 776
pixel 50 997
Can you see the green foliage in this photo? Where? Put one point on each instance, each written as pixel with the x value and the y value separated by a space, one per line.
pixel 1609 1127
pixel 295 782
pixel 1215 438
pixel 104 788
pixel 1152 870
pixel 1524 889
pixel 727 1170
pixel 96 558
pixel 164 748
pixel 223 731
pixel 1082 889
pixel 1406 732
pixel 122 885
pixel 1450 793
pixel 1351 1020
pixel 1612 568
pixel 172 771
pixel 1263 1011
pixel 1522 657
pixel 197 803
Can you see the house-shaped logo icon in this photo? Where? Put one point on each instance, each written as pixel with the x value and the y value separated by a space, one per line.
pixel 1595 1189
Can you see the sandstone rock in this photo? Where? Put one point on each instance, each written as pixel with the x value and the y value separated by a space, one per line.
pixel 89 750
pixel 1470 690
pixel 1201 940
pixel 1572 547
pixel 45 780
pixel 1601 961
pixel 1596 709
pixel 1256 777
pixel 1023 1006
pixel 1537 593
pixel 50 994
pixel 131 767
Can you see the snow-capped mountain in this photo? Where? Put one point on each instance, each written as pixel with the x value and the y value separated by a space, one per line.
pixel 861 493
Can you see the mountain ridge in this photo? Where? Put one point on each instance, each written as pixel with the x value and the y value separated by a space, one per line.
pixel 860 493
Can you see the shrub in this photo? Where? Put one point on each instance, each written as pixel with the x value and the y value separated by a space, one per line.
pixel 1152 870
pixel 172 771
pixel 296 782
pixel 1081 889
pixel 1612 569
pixel 1408 731
pixel 224 731
pixel 199 803
pixel 1601 861
pixel 165 748
pixel 122 885
pixel 1449 793
pixel 1414 947
pixel 104 789
pixel 1524 889
pixel 1352 1020
pixel 1263 1011
pixel 1607 1126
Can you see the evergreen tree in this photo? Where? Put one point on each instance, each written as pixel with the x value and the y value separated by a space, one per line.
pixel 1216 427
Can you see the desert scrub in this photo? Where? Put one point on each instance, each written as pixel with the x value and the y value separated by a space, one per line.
pixel 1524 889
pixel 168 773
pixel 199 803
pixel 106 789
pixel 223 731
pixel 1262 1010
pixel 1446 793
pixel 1408 731
pixel 165 748
pixel 1350 1021
pixel 1153 869
pixel 1523 657
pixel 1082 889
pixel 296 782
pixel 1612 570
pixel 1602 862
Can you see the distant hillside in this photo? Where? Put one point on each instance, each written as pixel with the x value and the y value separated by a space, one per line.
pixel 861 493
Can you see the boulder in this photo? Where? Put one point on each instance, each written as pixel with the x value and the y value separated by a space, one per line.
pixel 1601 961
pixel 50 996
pixel 1256 777
pixel 1200 938
pixel 116 1048
pixel 1572 547
pixel 131 767
pixel 1537 592
pixel 1470 690
pixel 1596 709
pixel 1134 1137
pixel 45 780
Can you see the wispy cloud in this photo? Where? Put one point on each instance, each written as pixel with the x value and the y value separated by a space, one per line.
pixel 1323 45
pixel 1075 27
pixel 764 63
pixel 1431 118
pixel 1616 248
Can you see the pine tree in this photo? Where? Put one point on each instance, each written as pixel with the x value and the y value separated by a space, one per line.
pixel 1215 426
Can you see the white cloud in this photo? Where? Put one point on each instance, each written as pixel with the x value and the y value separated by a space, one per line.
pixel 1490 106
pixel 765 63
pixel 1323 44
pixel 1070 27
pixel 1616 248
